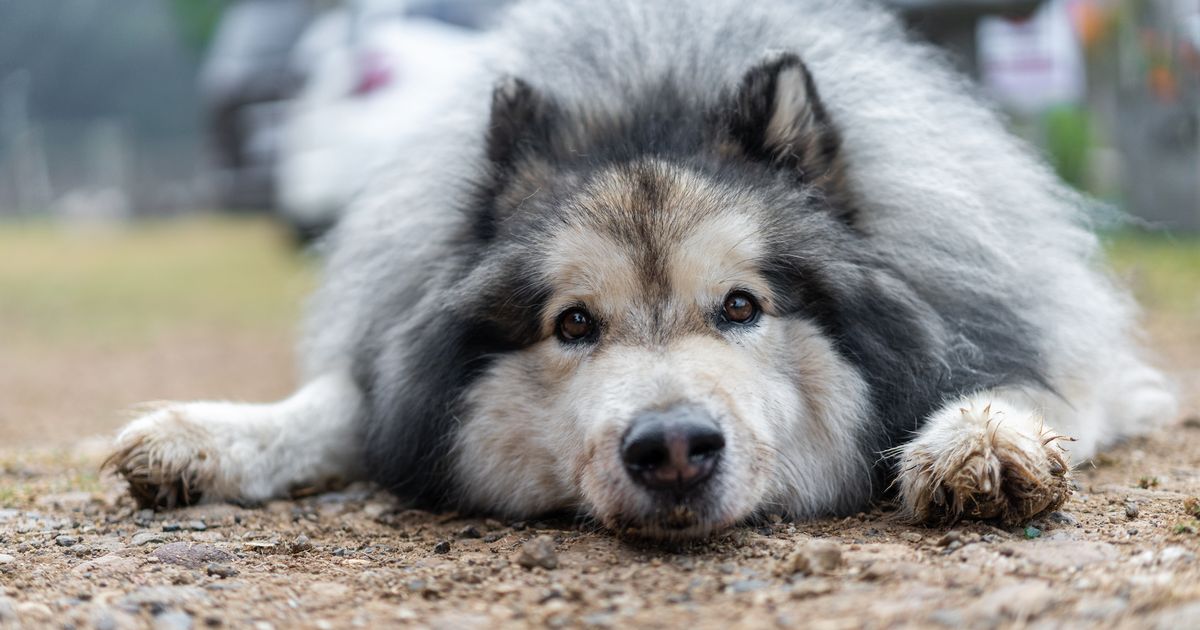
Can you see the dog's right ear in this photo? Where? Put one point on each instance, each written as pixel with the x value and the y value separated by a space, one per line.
pixel 520 122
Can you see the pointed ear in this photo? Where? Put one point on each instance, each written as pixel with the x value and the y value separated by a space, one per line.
pixel 777 116
pixel 520 120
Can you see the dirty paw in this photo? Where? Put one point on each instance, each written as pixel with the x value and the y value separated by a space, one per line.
pixel 994 462
pixel 166 458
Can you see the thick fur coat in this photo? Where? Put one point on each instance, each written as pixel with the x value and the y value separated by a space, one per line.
pixel 918 275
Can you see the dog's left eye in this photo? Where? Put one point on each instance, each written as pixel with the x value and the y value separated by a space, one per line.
pixel 575 324
pixel 740 308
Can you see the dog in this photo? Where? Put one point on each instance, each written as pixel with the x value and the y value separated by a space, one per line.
pixel 674 266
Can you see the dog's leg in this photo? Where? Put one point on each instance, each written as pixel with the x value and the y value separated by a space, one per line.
pixel 182 453
pixel 983 457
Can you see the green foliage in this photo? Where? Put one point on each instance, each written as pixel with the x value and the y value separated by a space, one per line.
pixel 1069 142
pixel 197 19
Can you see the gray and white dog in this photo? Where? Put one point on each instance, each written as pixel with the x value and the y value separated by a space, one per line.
pixel 675 265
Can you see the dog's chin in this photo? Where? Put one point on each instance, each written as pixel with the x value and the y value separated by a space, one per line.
pixel 672 521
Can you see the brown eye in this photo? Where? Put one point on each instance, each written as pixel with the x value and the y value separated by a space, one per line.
pixel 740 308
pixel 575 324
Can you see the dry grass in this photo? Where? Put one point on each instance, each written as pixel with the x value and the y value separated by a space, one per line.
pixel 93 321
pixel 65 286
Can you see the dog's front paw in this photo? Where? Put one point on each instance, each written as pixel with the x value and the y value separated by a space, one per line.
pixel 983 461
pixel 168 458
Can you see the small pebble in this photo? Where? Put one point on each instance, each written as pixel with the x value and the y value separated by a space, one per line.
pixel 301 544
pixel 746 586
pixel 492 537
pixel 1131 510
pixel 442 547
pixel 197 526
pixel 946 617
pixel 172 620
pixel 262 546
pixel 146 538
pixel 171 527
pixel 912 537
pixel 470 531
pixel 952 536
pixel 1032 532
pixel 538 552
pixel 825 556
pixel 817 557
pixel 1172 555
pixel 1063 518
pixel 191 555
pixel 66 541
pixel 221 570
pixel 6 559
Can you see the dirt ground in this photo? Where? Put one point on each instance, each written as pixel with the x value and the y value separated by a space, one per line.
pixel 75 551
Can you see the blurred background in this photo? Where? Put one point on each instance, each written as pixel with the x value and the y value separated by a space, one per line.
pixel 167 107
pixel 162 163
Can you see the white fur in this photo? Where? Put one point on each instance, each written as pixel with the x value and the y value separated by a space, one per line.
pixel 252 452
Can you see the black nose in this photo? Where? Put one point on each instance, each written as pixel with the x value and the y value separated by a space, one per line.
pixel 672 449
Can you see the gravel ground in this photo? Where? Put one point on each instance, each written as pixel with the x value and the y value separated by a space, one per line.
pixel 76 552
pixel 1123 552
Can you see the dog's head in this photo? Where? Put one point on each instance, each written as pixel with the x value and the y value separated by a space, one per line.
pixel 657 295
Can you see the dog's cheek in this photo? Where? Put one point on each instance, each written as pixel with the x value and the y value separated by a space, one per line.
pixel 822 406
pixel 515 443
pixel 608 494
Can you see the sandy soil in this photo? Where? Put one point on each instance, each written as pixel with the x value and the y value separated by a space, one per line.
pixel 75 551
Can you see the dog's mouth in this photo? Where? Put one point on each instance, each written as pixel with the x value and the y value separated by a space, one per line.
pixel 672 517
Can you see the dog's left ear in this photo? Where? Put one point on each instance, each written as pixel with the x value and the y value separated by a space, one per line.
pixel 520 122
pixel 777 116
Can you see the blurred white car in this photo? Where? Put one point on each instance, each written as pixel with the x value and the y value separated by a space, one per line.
pixel 375 75
pixel 245 82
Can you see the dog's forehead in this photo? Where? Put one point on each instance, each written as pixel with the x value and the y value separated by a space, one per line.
pixel 654 233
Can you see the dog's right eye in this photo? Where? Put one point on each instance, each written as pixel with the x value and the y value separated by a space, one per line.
pixel 575 324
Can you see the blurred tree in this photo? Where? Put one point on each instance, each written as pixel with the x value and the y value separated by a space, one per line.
pixel 197 19
pixel 1069 142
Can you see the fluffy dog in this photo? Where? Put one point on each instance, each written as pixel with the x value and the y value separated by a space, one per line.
pixel 676 265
